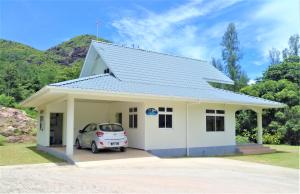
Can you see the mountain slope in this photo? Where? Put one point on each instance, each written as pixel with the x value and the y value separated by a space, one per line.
pixel 72 50
pixel 24 70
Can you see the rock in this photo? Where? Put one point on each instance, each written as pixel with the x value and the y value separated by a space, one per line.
pixel 16 125
pixel 8 131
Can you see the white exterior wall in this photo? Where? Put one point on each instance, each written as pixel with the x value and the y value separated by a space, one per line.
pixel 148 135
pixel 43 136
pixel 157 138
pixel 136 136
pixel 89 112
pixel 199 137
pixel 98 67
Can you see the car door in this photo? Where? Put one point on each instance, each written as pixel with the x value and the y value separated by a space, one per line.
pixel 85 135
pixel 91 134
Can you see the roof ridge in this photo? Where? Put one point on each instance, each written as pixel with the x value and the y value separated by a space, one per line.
pixel 78 79
pixel 151 51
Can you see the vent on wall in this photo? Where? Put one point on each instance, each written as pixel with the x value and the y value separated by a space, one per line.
pixel 106 70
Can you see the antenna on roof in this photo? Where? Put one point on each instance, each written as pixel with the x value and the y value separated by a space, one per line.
pixel 97 26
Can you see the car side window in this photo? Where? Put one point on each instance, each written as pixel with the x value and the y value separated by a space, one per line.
pixel 85 129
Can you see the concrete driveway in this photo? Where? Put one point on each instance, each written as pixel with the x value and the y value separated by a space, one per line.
pixel 151 175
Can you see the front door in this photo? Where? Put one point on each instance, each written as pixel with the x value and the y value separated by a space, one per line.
pixel 56 128
pixel 119 118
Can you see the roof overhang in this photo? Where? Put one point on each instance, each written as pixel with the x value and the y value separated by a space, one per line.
pixel 49 94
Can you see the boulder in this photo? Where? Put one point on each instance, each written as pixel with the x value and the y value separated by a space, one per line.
pixel 15 125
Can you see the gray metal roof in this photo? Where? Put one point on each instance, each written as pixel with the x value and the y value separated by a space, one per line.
pixel 136 65
pixel 108 83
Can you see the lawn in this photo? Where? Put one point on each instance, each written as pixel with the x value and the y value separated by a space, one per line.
pixel 286 156
pixel 11 154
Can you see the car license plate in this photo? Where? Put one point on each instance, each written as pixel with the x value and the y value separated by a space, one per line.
pixel 114 143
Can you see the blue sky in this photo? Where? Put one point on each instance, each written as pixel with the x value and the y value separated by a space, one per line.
pixel 186 28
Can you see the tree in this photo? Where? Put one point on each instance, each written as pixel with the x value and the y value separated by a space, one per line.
pixel 294 45
pixel 217 64
pixel 231 55
pixel 10 80
pixel 285 53
pixel 274 56
pixel 281 83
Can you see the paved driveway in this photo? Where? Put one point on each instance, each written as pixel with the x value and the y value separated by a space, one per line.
pixel 151 175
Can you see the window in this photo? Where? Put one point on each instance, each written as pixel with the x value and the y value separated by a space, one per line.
pixel 165 117
pixel 111 127
pixel 133 117
pixel 215 120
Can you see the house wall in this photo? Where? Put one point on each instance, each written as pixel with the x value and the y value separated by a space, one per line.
pixel 86 112
pixel 136 136
pixel 98 67
pixel 43 135
pixel 93 65
pixel 157 138
pixel 199 137
pixel 172 142
pixel 148 136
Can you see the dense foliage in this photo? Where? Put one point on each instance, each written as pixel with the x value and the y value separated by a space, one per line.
pixel 24 70
pixel 281 83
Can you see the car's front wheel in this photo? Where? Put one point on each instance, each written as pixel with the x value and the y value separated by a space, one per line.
pixel 77 144
pixel 94 148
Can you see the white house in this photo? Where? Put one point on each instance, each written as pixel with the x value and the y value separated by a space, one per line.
pixel 121 84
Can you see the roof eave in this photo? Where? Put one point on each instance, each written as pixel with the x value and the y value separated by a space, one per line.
pixel 26 102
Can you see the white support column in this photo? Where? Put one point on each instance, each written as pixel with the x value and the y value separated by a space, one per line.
pixel 259 127
pixel 70 127
pixel 46 141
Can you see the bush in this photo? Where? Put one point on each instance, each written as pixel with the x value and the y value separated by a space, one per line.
pixel 271 139
pixel 241 139
pixel 2 140
pixel 7 101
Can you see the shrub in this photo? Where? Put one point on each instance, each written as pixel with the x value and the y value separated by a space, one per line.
pixel 241 139
pixel 7 101
pixel 271 139
pixel 2 140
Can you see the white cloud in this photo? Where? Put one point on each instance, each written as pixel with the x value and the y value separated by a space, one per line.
pixel 173 31
pixel 251 81
pixel 278 20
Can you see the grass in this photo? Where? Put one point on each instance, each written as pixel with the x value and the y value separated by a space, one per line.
pixel 24 153
pixel 285 156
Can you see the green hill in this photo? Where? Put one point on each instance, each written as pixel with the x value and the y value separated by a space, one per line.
pixel 24 70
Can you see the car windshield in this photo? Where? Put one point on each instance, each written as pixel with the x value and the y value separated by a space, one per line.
pixel 111 127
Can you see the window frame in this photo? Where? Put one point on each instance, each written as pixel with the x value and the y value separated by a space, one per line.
pixel 215 113
pixel 165 111
pixel 133 118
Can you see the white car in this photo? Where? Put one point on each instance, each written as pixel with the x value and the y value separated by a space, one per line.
pixel 102 136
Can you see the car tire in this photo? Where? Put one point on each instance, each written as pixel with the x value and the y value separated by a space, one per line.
pixel 94 148
pixel 122 149
pixel 77 144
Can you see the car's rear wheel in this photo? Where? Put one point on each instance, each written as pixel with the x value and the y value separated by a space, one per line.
pixel 122 149
pixel 94 148
pixel 77 144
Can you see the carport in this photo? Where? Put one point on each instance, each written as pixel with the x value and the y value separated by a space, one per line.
pixel 61 116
